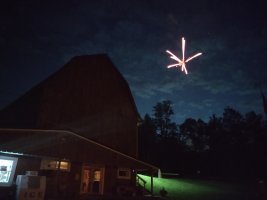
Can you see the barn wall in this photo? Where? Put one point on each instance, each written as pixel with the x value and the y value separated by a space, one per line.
pixel 67 146
pixel 88 96
pixel 116 186
pixel 61 184
pixel 64 145
pixel 110 180
pixel 98 105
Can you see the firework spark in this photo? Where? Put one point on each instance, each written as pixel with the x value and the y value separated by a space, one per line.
pixel 181 63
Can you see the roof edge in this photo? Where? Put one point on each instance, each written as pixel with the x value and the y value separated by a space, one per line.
pixel 85 139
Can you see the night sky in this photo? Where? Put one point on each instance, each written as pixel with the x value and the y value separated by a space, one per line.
pixel 39 37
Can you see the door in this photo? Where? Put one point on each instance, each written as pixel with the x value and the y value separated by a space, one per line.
pixel 92 180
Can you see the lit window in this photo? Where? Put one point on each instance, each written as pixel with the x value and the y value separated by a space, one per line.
pixel 97 175
pixel 47 164
pixel 7 169
pixel 64 165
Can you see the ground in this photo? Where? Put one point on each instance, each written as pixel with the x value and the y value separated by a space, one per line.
pixel 199 189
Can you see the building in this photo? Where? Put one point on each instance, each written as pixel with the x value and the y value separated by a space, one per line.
pixel 78 128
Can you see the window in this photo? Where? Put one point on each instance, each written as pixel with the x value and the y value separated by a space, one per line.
pixel 97 175
pixel 64 165
pixel 7 170
pixel 47 164
pixel 124 173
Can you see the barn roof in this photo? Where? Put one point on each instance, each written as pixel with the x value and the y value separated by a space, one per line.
pixel 65 145
pixel 88 96
pixel 86 85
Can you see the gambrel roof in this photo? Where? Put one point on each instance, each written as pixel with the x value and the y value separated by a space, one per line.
pixel 89 96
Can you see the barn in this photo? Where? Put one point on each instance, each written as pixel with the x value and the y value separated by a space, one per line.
pixel 79 129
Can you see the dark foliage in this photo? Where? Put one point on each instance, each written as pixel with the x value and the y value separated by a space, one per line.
pixel 230 146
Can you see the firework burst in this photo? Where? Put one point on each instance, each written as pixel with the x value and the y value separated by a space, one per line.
pixel 181 62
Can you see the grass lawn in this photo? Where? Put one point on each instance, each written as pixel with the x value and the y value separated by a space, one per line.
pixel 191 189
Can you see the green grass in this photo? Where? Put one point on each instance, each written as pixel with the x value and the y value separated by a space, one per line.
pixel 189 189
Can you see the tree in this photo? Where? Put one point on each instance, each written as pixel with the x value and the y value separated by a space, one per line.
pixel 147 139
pixel 233 142
pixel 193 134
pixel 215 133
pixel 162 119
pixel 160 137
pixel 232 119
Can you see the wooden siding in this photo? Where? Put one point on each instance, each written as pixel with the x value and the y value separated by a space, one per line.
pixel 88 96
pixel 66 145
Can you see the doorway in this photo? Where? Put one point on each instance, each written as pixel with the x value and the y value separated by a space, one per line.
pixel 92 180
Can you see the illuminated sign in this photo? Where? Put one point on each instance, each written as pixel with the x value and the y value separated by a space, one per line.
pixel 7 170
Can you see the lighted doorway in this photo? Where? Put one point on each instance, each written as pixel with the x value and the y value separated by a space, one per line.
pixel 92 180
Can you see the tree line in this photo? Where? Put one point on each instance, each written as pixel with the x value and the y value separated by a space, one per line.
pixel 229 146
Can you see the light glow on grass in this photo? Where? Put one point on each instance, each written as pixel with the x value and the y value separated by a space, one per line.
pixel 193 189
